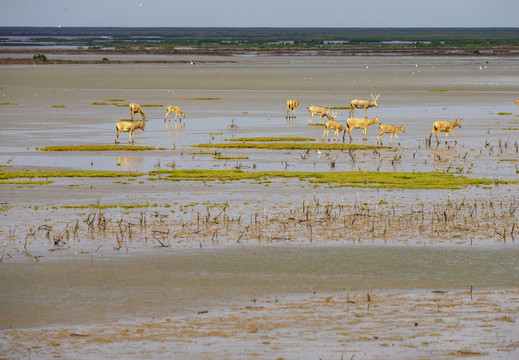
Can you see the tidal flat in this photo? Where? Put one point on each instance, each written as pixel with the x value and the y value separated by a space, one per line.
pixel 135 265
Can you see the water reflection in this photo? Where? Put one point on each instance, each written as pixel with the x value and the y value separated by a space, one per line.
pixel 130 162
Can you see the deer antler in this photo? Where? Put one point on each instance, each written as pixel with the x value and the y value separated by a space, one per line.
pixel 334 114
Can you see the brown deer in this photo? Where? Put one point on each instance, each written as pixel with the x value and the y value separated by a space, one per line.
pixel 363 104
pixel 332 124
pixel 389 129
pixel 136 109
pixel 291 108
pixel 129 127
pixel 359 123
pixel 178 112
pixel 318 110
pixel 446 127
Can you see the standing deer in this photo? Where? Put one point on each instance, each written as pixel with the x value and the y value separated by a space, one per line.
pixel 332 124
pixel 359 123
pixel 446 127
pixel 136 109
pixel 389 129
pixel 291 108
pixel 129 127
pixel 363 104
pixel 318 110
pixel 178 112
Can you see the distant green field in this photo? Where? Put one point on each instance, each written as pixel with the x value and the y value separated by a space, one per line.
pixel 124 38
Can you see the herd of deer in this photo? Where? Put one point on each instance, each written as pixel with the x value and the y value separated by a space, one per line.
pixel 352 122
pixel 364 123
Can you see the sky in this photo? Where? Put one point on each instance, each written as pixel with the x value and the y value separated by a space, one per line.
pixel 261 13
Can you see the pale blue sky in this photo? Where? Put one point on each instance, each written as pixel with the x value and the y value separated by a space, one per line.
pixel 259 13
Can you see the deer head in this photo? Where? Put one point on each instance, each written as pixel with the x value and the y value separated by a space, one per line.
pixel 374 102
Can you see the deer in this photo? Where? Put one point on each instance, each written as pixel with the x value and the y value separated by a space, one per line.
pixel 291 107
pixel 516 102
pixel 363 104
pixel 318 110
pixel 136 109
pixel 393 130
pixel 446 127
pixel 359 123
pixel 178 112
pixel 332 124
pixel 129 127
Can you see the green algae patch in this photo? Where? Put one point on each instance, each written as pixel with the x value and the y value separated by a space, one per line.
pixel 230 157
pixel 7 175
pixel 290 146
pixel 98 148
pixel 397 180
pixel 26 182
pixel 259 139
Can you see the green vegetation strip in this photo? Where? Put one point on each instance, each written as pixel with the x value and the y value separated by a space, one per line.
pixel 5 175
pixel 405 180
pixel 291 146
pixel 272 139
pixel 98 148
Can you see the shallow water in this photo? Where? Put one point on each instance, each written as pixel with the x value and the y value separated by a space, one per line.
pixel 252 92
pixel 182 280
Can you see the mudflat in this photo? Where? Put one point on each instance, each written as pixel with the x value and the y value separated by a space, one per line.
pixel 149 216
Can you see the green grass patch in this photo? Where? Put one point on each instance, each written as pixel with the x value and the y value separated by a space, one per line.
pixel 8 103
pixel 109 206
pixel 438 90
pixel 152 105
pixel 98 148
pixel 272 139
pixel 116 100
pixel 26 182
pixel 7 175
pixel 512 160
pixel 203 98
pixel 504 113
pixel 230 157
pixel 340 107
pixel 291 146
pixel 99 103
pixel 509 128
pixel 397 180
pixel 59 106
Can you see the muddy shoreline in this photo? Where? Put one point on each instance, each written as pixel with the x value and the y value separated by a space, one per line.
pixel 499 52
pixel 91 238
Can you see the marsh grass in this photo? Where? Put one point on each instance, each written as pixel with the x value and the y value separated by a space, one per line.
pixel 406 180
pixel 504 113
pixel 59 106
pixel 292 146
pixel 6 175
pixel 152 105
pixel 99 103
pixel 272 139
pixel 510 128
pixel 26 182
pixel 202 98
pixel 115 100
pixel 98 148
pixel 438 90
pixel 8 103
pixel 230 157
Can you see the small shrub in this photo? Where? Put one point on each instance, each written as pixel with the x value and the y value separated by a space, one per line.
pixel 41 57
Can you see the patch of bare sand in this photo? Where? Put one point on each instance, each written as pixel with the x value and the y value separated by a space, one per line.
pixel 403 325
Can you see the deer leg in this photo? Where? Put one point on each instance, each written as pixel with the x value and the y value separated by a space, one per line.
pixel 117 137
pixel 397 139
pixel 454 137
pixel 365 112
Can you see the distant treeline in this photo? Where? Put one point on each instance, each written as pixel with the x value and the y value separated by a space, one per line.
pixel 265 37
